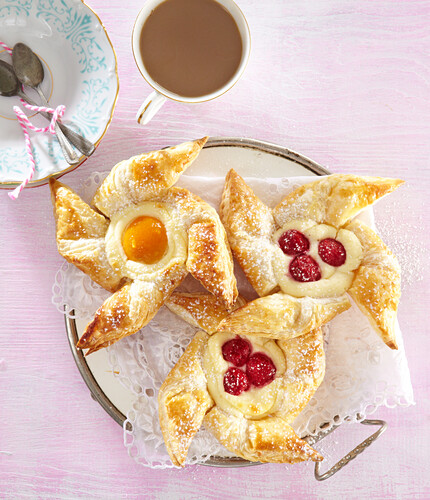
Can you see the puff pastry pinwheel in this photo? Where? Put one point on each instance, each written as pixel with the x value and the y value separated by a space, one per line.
pixel 244 389
pixel 141 240
pixel 310 245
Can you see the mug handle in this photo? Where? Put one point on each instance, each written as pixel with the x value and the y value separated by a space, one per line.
pixel 150 107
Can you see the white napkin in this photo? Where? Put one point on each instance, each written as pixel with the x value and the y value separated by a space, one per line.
pixel 361 372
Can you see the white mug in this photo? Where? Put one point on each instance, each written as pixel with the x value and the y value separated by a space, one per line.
pixel 158 97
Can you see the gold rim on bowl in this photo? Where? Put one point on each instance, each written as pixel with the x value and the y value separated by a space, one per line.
pixel 83 158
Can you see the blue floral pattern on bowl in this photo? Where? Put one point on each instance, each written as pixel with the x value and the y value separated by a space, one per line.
pixel 76 49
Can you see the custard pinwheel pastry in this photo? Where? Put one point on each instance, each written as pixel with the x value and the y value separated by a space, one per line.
pixel 310 246
pixel 141 240
pixel 245 389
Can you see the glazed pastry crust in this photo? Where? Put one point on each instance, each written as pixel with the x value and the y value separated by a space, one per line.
pixel 268 439
pixel 209 256
pixel 249 224
pixel 376 286
pixel 145 176
pixel 305 371
pixel 200 310
pixel 129 309
pixel 209 262
pixel 282 316
pixel 333 200
pixel 183 401
pixel 80 233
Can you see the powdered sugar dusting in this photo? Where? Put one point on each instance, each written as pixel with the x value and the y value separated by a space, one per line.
pixel 362 373
pixel 403 242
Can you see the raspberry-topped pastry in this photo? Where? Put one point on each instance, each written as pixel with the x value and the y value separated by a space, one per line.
pixel 251 388
pixel 315 260
pixel 245 389
pixel 310 246
pixel 141 240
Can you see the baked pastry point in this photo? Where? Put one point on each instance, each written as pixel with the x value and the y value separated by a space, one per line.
pixel 245 389
pixel 310 246
pixel 141 240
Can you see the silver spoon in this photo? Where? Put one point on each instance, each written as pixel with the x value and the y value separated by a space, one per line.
pixel 29 70
pixel 10 86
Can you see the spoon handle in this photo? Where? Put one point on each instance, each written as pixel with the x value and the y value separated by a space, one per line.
pixel 66 147
pixel 83 145
pixel 68 152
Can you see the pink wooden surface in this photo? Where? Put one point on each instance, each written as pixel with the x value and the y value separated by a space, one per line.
pixel 345 83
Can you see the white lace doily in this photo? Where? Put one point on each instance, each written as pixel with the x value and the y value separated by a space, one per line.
pixel 361 372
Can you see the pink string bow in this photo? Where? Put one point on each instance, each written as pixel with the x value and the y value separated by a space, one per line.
pixel 25 124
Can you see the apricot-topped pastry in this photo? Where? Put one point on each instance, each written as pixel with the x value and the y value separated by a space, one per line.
pixel 311 246
pixel 141 240
pixel 145 240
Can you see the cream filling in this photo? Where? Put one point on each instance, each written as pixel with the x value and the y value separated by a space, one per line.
pixel 177 248
pixel 255 403
pixel 334 280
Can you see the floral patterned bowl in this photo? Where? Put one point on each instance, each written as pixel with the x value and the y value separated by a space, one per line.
pixel 80 72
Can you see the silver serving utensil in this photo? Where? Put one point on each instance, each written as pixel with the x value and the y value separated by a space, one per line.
pixel 10 86
pixel 29 70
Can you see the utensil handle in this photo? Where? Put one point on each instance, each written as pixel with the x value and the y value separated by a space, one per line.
pixel 82 144
pixel 150 107
pixel 68 152
pixel 349 456
pixel 66 148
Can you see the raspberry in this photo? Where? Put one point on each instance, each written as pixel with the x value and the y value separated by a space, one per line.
pixel 293 242
pixel 332 252
pixel 260 369
pixel 236 351
pixel 235 381
pixel 304 268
